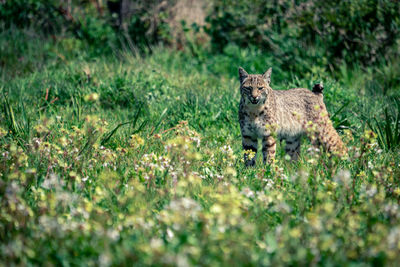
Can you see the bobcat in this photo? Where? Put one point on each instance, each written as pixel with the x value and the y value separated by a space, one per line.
pixel 265 113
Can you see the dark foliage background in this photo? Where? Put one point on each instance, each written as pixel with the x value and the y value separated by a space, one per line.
pixel 299 33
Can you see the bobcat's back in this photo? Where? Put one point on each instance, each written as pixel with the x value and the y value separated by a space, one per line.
pixel 295 107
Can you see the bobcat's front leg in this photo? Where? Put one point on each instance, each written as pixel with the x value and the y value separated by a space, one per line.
pixel 268 148
pixel 292 147
pixel 250 149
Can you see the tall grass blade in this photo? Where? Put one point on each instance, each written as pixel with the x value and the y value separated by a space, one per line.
pixel 343 123
pixel 159 121
pixel 132 122
pixel 387 128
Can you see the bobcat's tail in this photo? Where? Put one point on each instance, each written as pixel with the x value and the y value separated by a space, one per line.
pixel 318 88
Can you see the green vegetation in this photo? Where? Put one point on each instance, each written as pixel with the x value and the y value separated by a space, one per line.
pixel 119 153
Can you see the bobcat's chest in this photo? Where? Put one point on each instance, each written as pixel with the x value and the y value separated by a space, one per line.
pixel 255 124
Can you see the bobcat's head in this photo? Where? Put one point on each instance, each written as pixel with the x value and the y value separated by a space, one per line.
pixel 255 87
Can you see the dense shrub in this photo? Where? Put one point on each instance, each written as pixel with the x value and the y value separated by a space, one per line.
pixel 304 36
pixel 44 14
pixel 139 23
pixel 360 30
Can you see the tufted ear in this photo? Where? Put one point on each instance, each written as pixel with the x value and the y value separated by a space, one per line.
pixel 242 74
pixel 267 76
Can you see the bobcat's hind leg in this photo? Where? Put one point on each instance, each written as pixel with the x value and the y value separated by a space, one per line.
pixel 292 147
pixel 249 144
pixel 268 148
pixel 331 141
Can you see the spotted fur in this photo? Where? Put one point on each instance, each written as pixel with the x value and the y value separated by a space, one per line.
pixel 265 113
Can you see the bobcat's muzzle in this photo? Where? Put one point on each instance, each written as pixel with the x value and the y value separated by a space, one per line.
pixel 254 100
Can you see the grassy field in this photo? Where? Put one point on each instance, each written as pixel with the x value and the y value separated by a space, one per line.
pixel 136 159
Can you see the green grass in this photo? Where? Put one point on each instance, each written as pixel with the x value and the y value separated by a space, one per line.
pixel 150 173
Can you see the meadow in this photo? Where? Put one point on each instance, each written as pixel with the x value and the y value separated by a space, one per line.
pixel 135 158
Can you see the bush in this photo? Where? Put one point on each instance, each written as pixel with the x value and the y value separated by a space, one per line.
pixel 302 35
pixel 44 14
pixel 351 31
pixel 355 31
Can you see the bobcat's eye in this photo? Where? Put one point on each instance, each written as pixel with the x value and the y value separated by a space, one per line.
pixel 260 88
